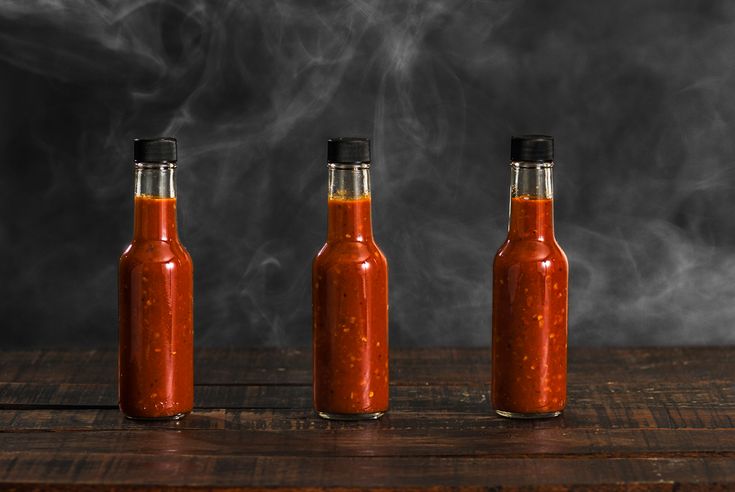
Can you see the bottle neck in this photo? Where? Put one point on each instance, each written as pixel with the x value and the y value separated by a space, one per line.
pixel 155 179
pixel 155 202
pixel 349 203
pixel 531 201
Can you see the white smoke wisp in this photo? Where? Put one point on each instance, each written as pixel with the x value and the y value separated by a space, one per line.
pixel 639 102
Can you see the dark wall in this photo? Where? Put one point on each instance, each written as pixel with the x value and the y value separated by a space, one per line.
pixel 640 96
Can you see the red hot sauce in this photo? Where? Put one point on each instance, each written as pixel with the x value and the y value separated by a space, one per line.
pixel 350 311
pixel 350 314
pixel 156 316
pixel 530 279
pixel 156 379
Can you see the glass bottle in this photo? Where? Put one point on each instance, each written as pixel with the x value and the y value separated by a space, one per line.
pixel 530 285
pixel 156 363
pixel 350 295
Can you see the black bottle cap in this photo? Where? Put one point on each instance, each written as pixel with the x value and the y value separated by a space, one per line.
pixel 154 149
pixel 532 148
pixel 348 150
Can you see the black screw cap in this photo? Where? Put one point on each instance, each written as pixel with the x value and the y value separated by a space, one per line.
pixel 348 150
pixel 532 148
pixel 154 149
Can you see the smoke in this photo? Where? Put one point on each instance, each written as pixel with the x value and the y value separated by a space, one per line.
pixel 637 96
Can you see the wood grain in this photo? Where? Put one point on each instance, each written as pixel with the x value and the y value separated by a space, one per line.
pixel 647 417
pixel 441 366
pixel 644 418
pixel 372 473
pixel 370 442
pixel 464 398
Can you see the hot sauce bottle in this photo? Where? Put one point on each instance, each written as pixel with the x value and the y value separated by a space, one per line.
pixel 350 295
pixel 530 277
pixel 156 368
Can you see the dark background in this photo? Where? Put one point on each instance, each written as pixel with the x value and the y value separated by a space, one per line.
pixel 640 96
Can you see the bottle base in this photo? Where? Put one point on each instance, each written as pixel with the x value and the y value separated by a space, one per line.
pixel 164 418
pixel 517 415
pixel 350 416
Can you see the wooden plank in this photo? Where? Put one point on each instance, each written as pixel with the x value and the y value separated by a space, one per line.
pixel 461 398
pixel 368 442
pixel 650 417
pixel 409 366
pixel 61 471
pixel 460 365
pixel 644 417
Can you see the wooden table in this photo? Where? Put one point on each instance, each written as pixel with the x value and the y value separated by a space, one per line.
pixel 653 418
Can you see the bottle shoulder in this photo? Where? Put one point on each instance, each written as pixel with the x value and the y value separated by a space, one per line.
pixel 350 252
pixel 530 250
pixel 155 251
